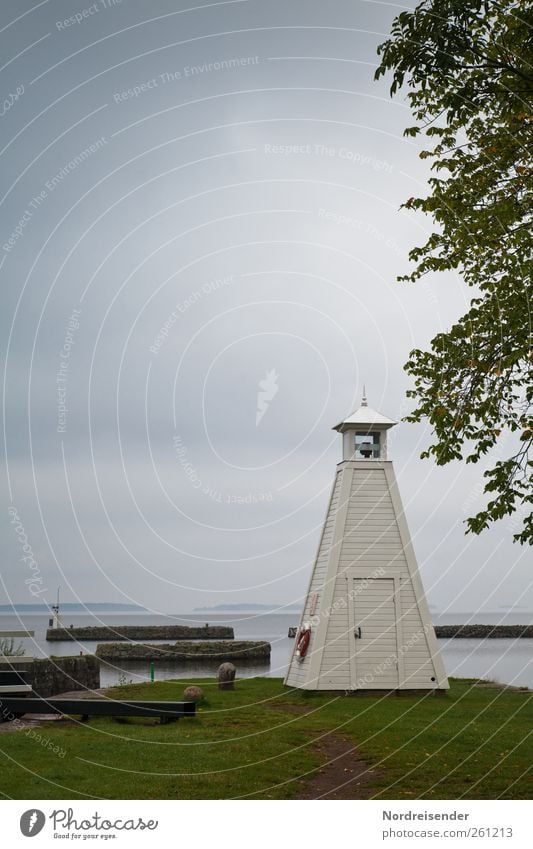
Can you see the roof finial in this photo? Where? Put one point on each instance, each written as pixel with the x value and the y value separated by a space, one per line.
pixel 363 399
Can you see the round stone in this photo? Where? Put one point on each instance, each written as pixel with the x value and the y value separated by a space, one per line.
pixel 193 694
pixel 226 676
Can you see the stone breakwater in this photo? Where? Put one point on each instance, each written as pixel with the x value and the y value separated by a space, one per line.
pixel 482 631
pixel 50 676
pixel 141 632
pixel 234 651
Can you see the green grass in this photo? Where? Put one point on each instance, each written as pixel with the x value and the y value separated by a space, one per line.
pixel 475 743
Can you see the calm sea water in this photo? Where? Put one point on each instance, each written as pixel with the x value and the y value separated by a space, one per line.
pixel 508 661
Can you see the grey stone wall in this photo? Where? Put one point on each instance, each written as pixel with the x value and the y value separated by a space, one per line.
pixel 495 632
pixel 62 674
pixel 141 632
pixel 235 651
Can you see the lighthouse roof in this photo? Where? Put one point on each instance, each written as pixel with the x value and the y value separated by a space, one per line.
pixel 366 417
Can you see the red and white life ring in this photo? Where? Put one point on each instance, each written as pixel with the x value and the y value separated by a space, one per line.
pixel 302 643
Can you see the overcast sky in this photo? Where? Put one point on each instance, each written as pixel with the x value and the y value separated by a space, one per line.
pixel 200 205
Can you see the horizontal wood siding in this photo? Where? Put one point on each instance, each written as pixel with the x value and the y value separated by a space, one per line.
pixel 335 668
pixel 371 533
pixel 418 665
pixel 299 668
pixel 372 547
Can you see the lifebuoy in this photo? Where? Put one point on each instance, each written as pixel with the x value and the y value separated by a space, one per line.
pixel 302 643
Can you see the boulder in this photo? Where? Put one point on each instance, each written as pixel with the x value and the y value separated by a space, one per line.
pixel 226 676
pixel 193 694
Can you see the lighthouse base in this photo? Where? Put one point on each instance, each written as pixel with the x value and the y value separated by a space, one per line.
pixel 365 610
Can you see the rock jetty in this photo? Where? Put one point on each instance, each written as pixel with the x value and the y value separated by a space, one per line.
pixel 141 632
pixel 234 651
pixel 482 631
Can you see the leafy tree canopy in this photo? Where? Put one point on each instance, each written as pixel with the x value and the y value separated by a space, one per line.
pixel 468 69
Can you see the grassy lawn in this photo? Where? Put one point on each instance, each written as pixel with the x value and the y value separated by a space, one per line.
pixel 260 740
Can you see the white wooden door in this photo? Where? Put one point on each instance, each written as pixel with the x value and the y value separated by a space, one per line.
pixel 374 643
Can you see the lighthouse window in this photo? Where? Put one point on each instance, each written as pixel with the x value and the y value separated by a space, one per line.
pixel 367 445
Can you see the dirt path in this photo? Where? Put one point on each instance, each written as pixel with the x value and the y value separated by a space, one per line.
pixel 344 774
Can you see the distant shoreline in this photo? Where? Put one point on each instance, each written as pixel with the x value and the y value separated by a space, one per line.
pixel 71 607
pixel 248 608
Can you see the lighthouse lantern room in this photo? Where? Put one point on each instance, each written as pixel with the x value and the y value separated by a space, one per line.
pixel 365 623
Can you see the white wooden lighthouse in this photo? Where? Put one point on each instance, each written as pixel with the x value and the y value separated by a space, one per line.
pixel 365 623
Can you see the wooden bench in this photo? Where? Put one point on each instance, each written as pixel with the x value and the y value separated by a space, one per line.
pixel 11 708
pixel 15 670
pixel 15 681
